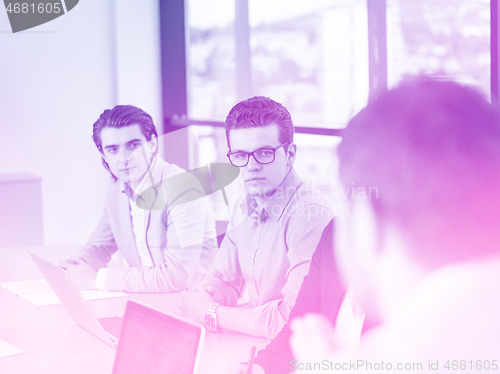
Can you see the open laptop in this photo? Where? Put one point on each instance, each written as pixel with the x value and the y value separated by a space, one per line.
pixel 154 342
pixel 106 329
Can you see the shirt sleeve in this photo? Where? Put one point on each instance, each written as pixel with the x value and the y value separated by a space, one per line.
pixel 303 234
pixel 190 229
pixel 100 246
pixel 321 292
pixel 225 273
pixel 100 279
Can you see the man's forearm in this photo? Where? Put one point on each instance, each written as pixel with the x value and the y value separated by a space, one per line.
pixel 94 256
pixel 220 290
pixel 161 278
pixel 237 319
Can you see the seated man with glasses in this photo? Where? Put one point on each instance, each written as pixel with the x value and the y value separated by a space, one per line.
pixel 273 233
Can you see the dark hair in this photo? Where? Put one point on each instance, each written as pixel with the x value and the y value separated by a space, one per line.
pixel 432 150
pixel 122 116
pixel 260 111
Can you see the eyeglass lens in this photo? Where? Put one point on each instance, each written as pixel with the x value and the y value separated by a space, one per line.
pixel 263 156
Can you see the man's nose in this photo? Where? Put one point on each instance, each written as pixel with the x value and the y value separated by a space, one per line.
pixel 124 156
pixel 253 165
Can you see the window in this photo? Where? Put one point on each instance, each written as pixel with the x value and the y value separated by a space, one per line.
pixel 311 56
pixel 211 59
pixel 446 37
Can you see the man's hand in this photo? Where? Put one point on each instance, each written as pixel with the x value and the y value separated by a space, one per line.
pixel 214 292
pixel 70 262
pixel 83 275
pixel 194 305
pixel 313 338
pixel 243 368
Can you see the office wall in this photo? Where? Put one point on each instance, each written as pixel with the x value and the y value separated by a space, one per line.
pixel 55 80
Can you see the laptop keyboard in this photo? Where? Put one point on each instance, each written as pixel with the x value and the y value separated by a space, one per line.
pixel 112 325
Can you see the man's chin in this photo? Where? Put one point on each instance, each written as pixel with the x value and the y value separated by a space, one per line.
pixel 128 178
pixel 259 191
pixel 255 192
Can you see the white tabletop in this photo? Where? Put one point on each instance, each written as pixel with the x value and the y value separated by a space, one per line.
pixel 55 344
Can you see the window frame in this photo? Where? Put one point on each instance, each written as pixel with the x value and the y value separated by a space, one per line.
pixel 173 35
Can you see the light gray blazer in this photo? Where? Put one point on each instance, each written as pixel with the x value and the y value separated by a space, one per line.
pixel 180 233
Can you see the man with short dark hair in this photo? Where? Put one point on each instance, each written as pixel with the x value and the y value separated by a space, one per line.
pixel 276 228
pixel 159 224
pixel 424 257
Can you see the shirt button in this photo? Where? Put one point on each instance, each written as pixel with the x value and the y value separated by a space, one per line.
pixel 252 255
pixel 259 222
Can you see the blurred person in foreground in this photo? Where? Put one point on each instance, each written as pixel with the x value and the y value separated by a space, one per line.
pixel 277 226
pixel 423 258
pixel 153 216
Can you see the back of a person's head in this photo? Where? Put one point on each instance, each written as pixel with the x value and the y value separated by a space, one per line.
pixel 431 148
pixel 260 111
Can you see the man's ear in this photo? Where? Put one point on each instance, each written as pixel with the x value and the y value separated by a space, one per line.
pixel 356 240
pixel 357 250
pixel 358 230
pixel 153 143
pixel 291 154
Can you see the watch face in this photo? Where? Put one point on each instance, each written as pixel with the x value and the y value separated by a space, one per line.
pixel 210 322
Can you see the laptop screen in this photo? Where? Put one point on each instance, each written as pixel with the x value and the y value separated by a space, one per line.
pixel 154 342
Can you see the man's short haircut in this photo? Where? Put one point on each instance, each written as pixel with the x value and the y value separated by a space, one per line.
pixel 122 116
pixel 432 149
pixel 260 111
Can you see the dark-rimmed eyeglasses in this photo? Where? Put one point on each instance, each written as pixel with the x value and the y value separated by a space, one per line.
pixel 262 156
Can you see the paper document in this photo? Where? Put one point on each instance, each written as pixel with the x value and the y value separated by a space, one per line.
pixel 7 349
pixel 39 293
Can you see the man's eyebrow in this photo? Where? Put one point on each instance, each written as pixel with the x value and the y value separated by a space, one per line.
pixel 129 142
pixel 134 141
pixel 258 149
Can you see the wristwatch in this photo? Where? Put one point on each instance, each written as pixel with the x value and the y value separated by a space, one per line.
pixel 211 320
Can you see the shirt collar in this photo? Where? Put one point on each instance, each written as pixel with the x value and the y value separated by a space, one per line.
pixel 277 202
pixel 151 178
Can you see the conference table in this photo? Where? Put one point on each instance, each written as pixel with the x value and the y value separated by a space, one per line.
pixel 54 343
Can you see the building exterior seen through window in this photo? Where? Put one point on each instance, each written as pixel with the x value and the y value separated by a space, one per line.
pixel 312 56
